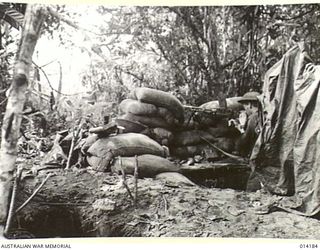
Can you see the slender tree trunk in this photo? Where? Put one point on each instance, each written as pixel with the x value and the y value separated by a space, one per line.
pixel 34 17
pixel 225 17
pixel 60 84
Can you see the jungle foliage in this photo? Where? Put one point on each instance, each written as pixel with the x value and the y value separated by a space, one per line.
pixel 202 52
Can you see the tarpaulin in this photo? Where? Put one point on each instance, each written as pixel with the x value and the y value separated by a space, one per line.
pixel 286 156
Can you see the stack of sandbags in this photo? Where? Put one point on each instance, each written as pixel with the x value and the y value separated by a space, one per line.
pixel 194 142
pixel 161 112
pixel 102 151
pixel 192 138
pixel 123 152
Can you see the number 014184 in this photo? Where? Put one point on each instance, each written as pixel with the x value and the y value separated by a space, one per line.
pixel 308 246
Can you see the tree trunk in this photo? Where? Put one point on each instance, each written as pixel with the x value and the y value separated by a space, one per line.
pixel 60 85
pixel 34 17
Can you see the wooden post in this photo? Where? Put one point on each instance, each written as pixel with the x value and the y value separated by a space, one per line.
pixel 34 17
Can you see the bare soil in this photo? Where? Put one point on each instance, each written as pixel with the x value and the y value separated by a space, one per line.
pixel 84 203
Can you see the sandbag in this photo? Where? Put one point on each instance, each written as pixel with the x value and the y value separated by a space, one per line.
pixel 191 137
pixel 224 143
pixel 148 165
pixel 232 103
pixel 161 133
pixel 210 120
pixel 223 132
pixel 205 121
pixel 168 116
pixel 129 144
pixel 175 179
pixel 160 99
pixel 88 142
pixel 188 124
pixel 188 151
pixel 138 108
pixel 150 121
pixel 98 163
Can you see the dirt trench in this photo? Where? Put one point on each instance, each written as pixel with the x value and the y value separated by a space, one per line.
pixel 83 203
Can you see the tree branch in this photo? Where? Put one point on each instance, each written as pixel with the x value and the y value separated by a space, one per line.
pixel 49 83
pixel 233 61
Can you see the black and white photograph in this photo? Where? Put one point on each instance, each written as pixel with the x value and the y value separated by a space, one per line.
pixel 121 121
